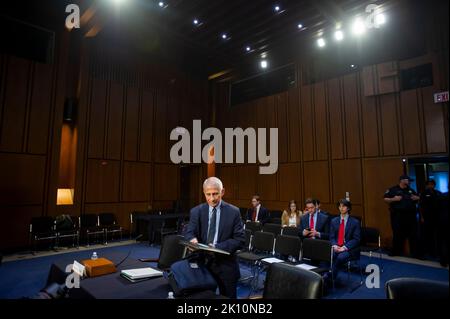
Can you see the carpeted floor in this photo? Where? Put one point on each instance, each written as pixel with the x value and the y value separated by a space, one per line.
pixel 24 278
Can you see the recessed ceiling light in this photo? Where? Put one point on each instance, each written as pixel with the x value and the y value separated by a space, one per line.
pixel 248 49
pixel 299 25
pixel 276 8
pixel 339 35
pixel 161 4
pixel 380 19
pixel 263 64
pixel 224 36
pixel 195 21
pixel 321 42
pixel 358 27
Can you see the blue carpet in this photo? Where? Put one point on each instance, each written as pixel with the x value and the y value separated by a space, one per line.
pixel 25 278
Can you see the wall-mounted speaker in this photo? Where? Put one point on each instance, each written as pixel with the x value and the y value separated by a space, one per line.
pixel 70 110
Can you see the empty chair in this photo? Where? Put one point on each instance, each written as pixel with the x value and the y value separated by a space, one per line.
pixel 288 247
pixel 416 288
pixel 170 252
pixel 286 281
pixel 275 229
pixel 371 242
pixel 291 231
pixel 108 222
pixel 253 226
pixel 68 227
pixel 318 252
pixel 275 217
pixel 90 226
pixel 42 228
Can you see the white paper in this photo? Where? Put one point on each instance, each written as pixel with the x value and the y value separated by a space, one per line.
pixel 272 260
pixel 306 266
pixel 78 268
pixel 141 273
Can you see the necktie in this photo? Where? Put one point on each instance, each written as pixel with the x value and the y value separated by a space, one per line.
pixel 341 233
pixel 212 227
pixel 311 221
pixel 254 215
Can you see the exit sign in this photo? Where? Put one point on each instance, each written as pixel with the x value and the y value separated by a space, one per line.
pixel 441 97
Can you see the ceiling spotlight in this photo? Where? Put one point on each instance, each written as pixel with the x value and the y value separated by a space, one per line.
pixel 277 8
pixel 248 49
pixel 224 36
pixel 264 64
pixel 161 4
pixel 358 27
pixel 299 25
pixel 339 35
pixel 380 19
pixel 321 42
pixel 195 21
pixel 353 66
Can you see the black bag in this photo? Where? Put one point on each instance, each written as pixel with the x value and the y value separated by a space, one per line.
pixel 189 275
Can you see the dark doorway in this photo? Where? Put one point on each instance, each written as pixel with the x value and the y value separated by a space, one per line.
pixel 422 169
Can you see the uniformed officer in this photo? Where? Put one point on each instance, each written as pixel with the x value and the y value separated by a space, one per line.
pixel 402 201
pixel 429 207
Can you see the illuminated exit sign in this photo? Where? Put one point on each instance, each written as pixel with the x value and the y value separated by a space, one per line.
pixel 441 97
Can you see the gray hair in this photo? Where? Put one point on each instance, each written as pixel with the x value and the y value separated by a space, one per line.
pixel 213 182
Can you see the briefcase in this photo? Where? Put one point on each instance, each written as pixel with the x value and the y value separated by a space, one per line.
pixel 188 276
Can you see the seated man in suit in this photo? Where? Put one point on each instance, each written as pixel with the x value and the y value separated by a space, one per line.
pixel 345 234
pixel 258 213
pixel 314 224
pixel 218 224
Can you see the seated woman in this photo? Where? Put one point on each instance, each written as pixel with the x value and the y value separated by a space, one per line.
pixel 292 217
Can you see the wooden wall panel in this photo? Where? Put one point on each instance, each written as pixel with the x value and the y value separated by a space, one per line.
pixel 131 125
pixel 308 138
pixel 389 125
pixel 136 182
pixel 294 125
pixel 317 180
pixel 16 225
pixel 321 121
pixel 227 174
pixel 22 179
pixel 165 183
pixel 97 119
pixel 146 136
pixel 267 187
pixel 371 140
pixel 115 119
pixel 434 123
pixel 351 119
pixel 410 122
pixel 13 124
pixel 41 104
pixel 160 140
pixel 289 179
pixel 282 125
pixel 336 121
pixel 103 178
pixel 379 175
pixel 247 181
pixel 347 178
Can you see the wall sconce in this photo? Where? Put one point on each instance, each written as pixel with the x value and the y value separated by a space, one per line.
pixel 64 196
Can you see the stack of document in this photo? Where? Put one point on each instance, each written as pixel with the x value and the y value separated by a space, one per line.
pixel 140 274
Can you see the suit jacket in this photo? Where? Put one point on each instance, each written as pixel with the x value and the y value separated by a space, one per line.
pixel 352 235
pixel 231 236
pixel 263 215
pixel 322 224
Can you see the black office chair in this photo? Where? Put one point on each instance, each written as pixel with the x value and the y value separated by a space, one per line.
pixel 288 247
pixel 275 229
pixel 291 231
pixel 285 281
pixel 318 252
pixel 90 226
pixel 371 243
pixel 253 226
pixel 416 288
pixel 166 227
pixel 170 252
pixel 42 229
pixel 108 222
pixel 68 227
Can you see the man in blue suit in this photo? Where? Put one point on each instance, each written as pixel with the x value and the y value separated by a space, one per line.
pixel 258 213
pixel 345 235
pixel 314 224
pixel 218 224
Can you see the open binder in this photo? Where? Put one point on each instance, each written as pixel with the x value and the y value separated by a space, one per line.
pixel 203 247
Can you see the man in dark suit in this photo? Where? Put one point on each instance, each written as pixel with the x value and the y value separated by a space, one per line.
pixel 314 224
pixel 345 235
pixel 218 224
pixel 258 212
